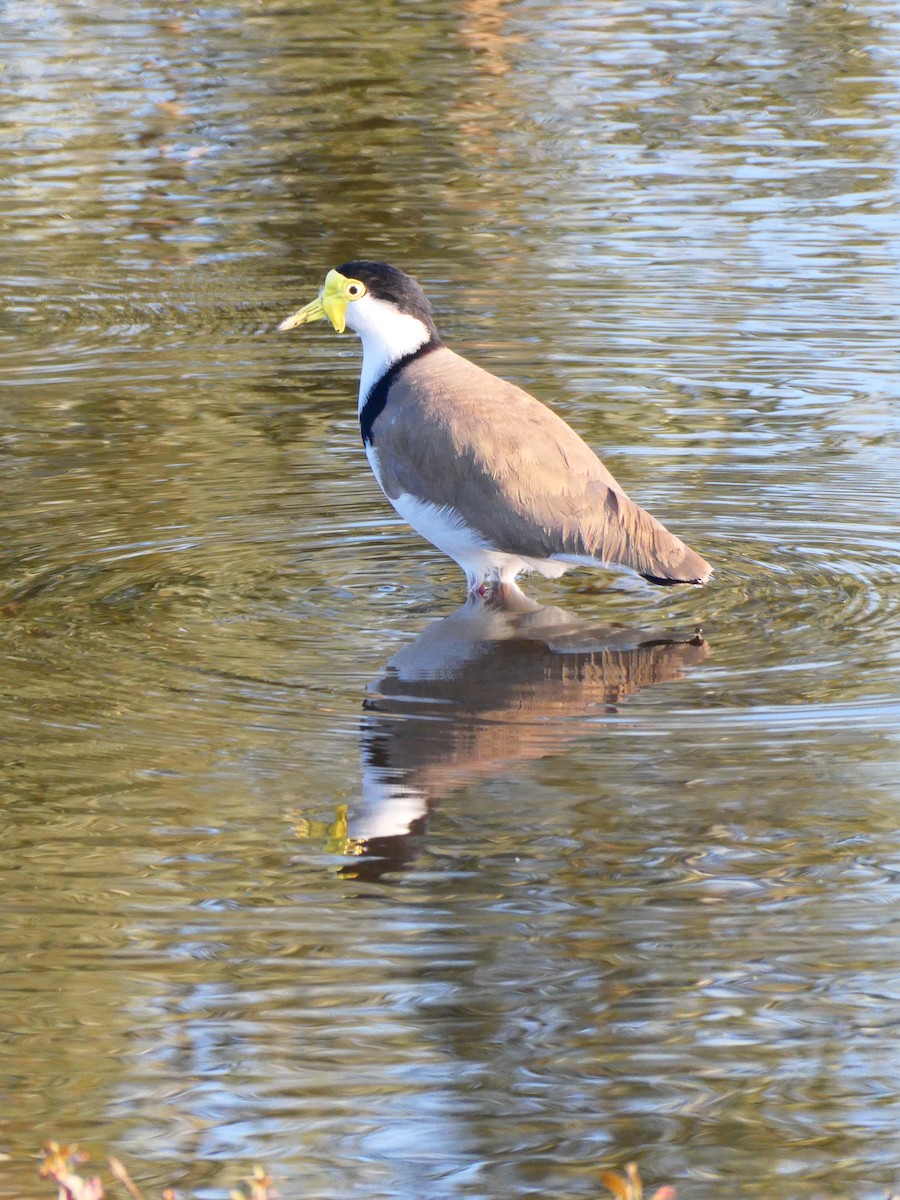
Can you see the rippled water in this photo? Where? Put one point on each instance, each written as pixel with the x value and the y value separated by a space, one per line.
pixel 307 863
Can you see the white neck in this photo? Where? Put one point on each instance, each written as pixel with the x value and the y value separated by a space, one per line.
pixel 387 335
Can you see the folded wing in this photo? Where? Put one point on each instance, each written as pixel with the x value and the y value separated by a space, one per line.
pixel 516 473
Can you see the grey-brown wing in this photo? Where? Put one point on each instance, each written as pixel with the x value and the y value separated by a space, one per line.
pixel 515 472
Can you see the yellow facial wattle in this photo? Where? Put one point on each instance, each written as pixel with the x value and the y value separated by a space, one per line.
pixel 337 293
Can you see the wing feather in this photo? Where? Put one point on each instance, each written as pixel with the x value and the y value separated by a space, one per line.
pixel 466 440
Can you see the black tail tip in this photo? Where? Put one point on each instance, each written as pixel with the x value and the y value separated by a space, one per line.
pixel 663 581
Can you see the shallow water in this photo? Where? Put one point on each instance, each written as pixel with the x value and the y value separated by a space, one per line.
pixel 304 862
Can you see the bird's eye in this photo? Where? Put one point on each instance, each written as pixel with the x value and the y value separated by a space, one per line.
pixel 355 289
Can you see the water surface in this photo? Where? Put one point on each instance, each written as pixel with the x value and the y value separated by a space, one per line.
pixel 304 861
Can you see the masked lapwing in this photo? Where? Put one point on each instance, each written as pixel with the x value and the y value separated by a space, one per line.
pixel 489 475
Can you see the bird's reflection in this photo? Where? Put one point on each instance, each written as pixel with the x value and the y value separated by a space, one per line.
pixel 500 681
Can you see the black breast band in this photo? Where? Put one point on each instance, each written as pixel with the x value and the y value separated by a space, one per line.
pixel 378 392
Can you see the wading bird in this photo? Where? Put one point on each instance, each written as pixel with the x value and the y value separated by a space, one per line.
pixel 476 465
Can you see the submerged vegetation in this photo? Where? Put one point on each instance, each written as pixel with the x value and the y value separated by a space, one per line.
pixel 61 1163
pixel 630 1187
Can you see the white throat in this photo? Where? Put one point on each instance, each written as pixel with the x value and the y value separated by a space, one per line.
pixel 387 335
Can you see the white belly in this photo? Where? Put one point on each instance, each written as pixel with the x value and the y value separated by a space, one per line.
pixel 446 529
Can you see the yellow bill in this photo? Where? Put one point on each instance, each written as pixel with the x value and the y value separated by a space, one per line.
pixel 331 302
